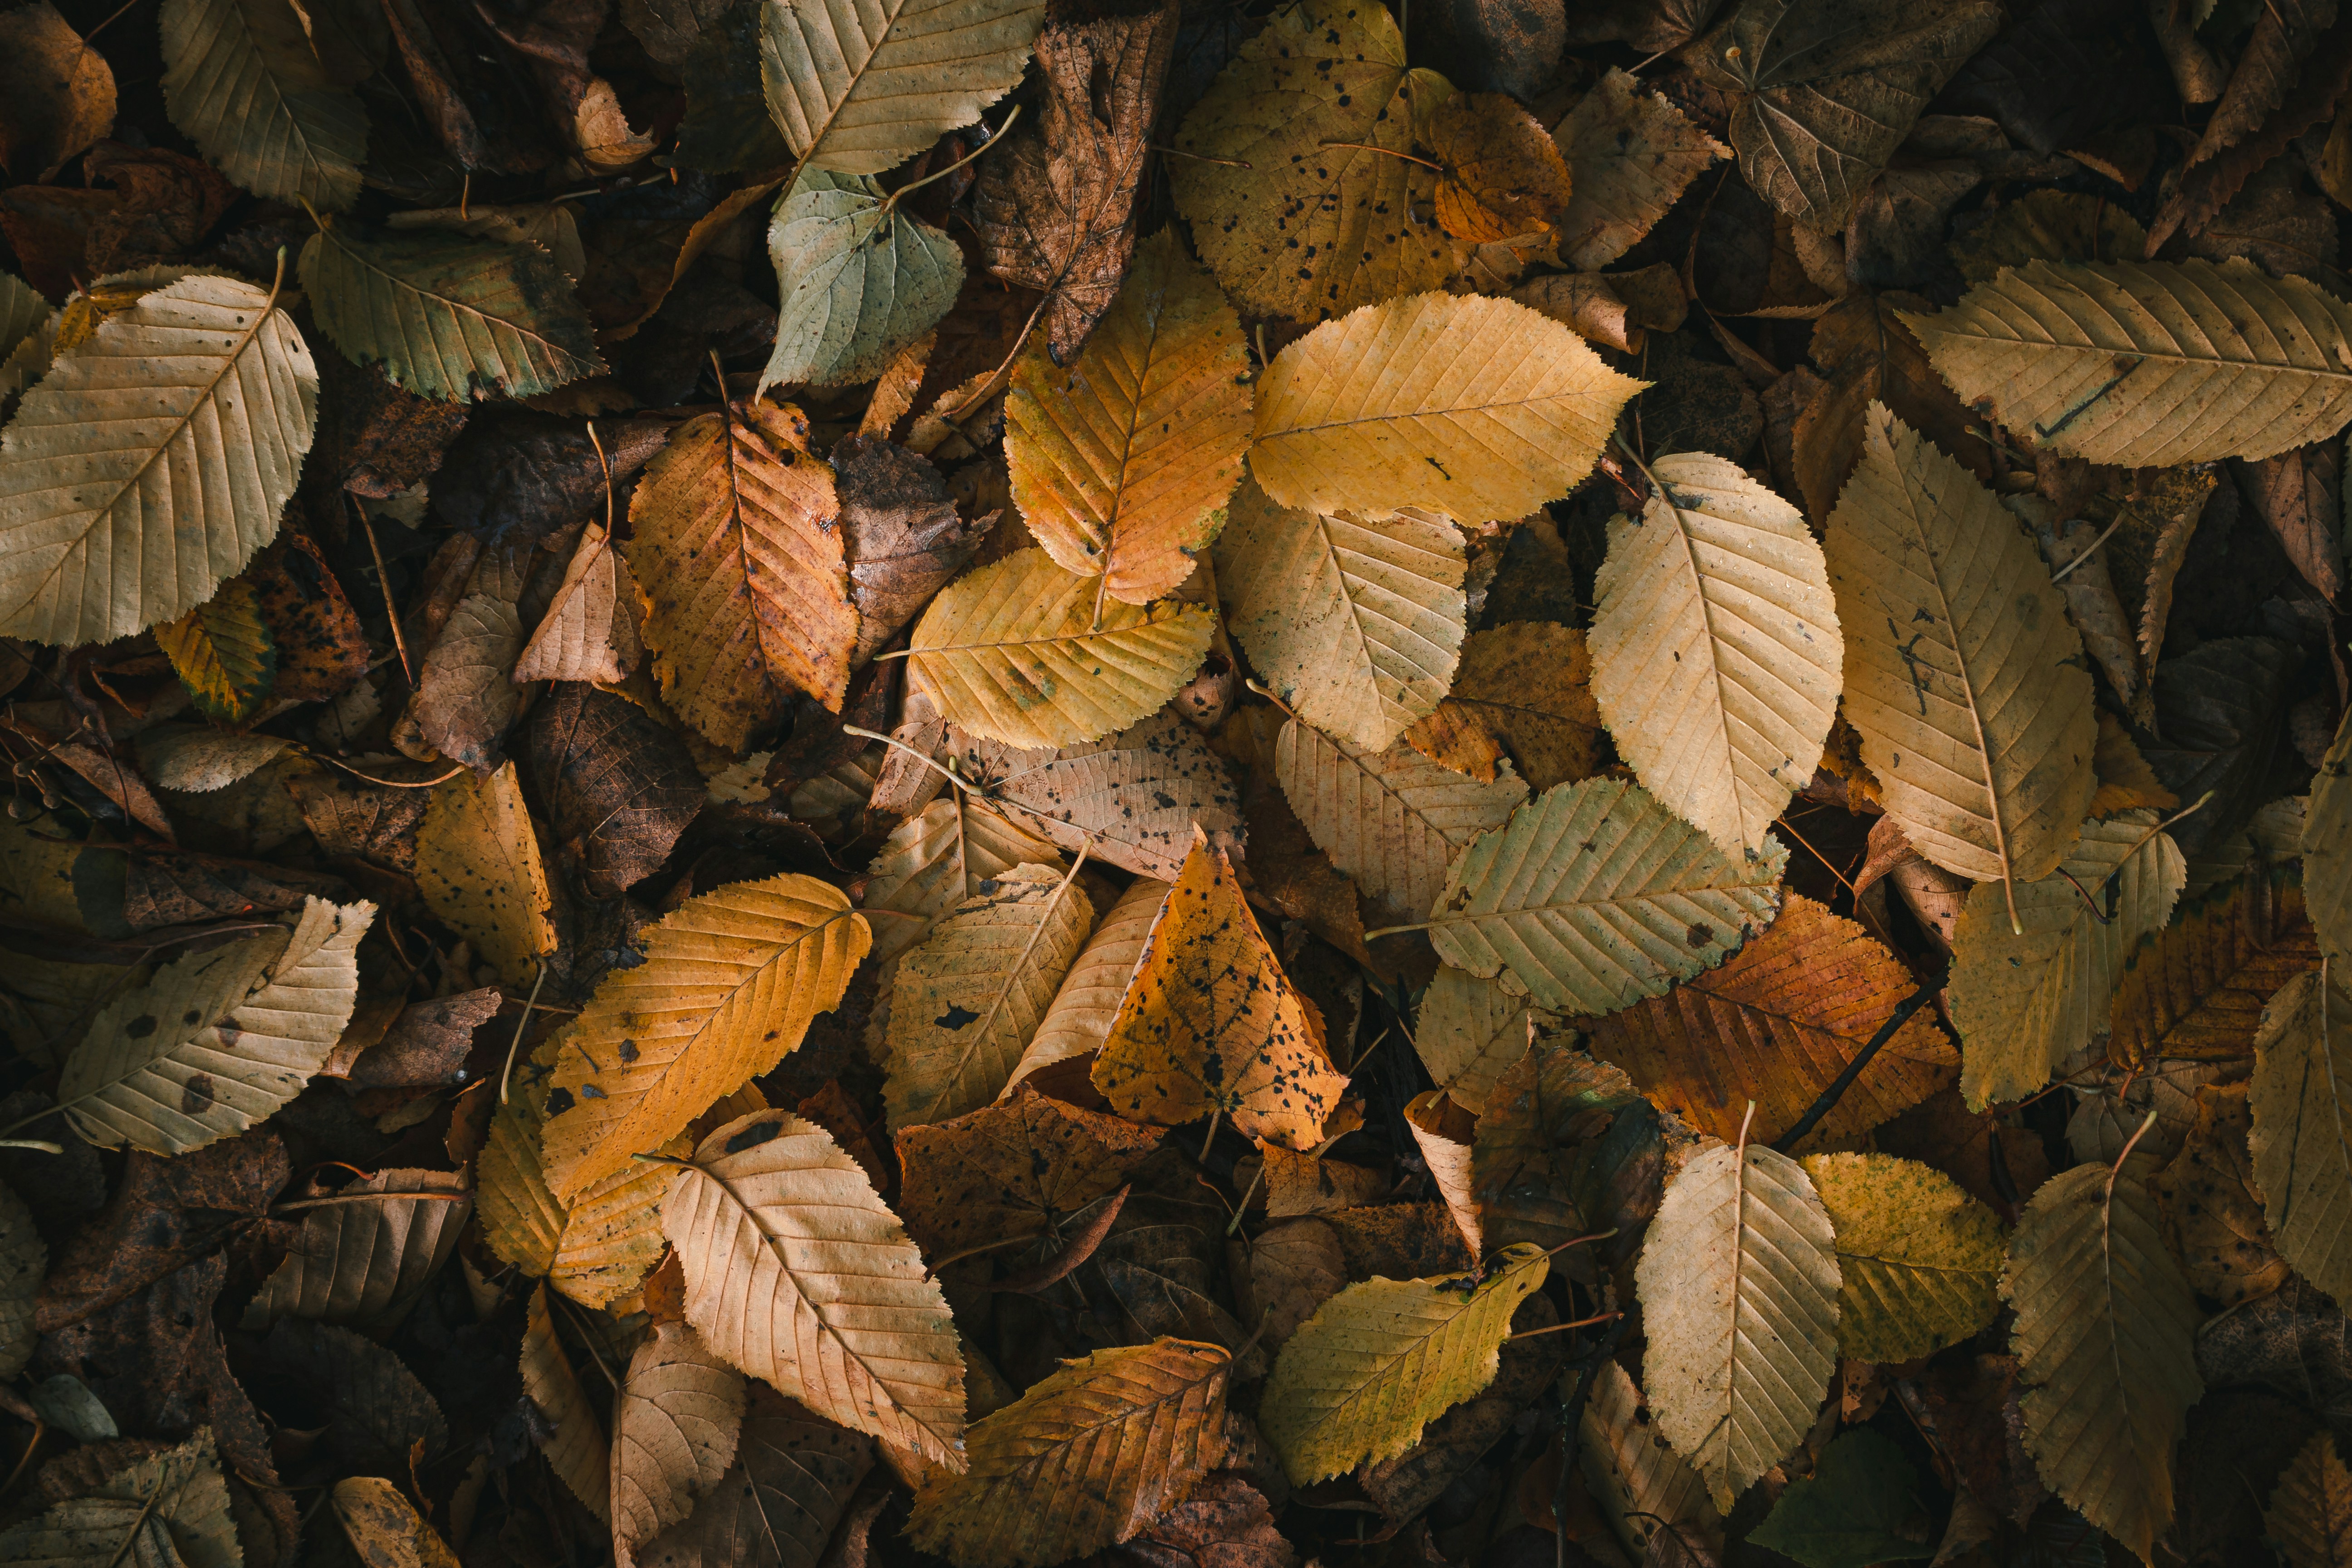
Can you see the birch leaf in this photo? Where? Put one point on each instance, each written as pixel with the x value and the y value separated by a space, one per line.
pixel 217 1040
pixel 1088 1456
pixel 1644 1487
pixel 797 1274
pixel 736 547
pixel 1595 896
pixel 1293 223
pixel 1023 1166
pixel 575 1449
pixel 1132 798
pixel 223 653
pixel 1471 1032
pixel 243 80
pixel 1738 1284
pixel 1211 1024
pixel 1393 820
pixel 1469 407
pixel 2310 1513
pixel 1383 1359
pixel 1715 652
pixel 479 866
pixel 1014 653
pixel 1083 1010
pixel 934 862
pixel 777 1508
pixel 1963 675
pixel 2105 1347
pixel 2303 1153
pixel 730 984
pixel 675 1424
pixel 363 1262
pixel 859 90
pixel 100 533
pixel 590 630
pixel 383 1531
pixel 2151 363
pixel 2196 988
pixel 2026 1003
pixel 1356 624
pixel 447 317
pixel 965 1003
pixel 863 278
pixel 1634 153
pixel 1122 463
pixel 1522 691
pixel 1920 1260
pixel 170 1509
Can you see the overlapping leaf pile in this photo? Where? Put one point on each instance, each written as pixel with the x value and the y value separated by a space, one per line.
pixel 976 782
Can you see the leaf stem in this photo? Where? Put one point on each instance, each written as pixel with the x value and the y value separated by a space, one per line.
pixel 1369 147
pixel 1199 157
pixel 918 184
pixel 1555 1327
pixel 2060 575
pixel 520 1025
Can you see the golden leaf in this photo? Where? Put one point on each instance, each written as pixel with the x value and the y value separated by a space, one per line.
pixel 1634 153
pixel 479 866
pixel 576 1449
pixel 223 653
pixel 1084 1009
pixel 1021 1167
pixel 1502 178
pixel 1920 1260
pixel 675 1424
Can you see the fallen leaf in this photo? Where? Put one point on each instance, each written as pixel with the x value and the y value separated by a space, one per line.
pixel 1857 1507
pixel 383 1531
pixel 860 96
pixel 866 277
pixel 576 1447
pixel 2048 226
pixel 2327 842
pixel 1919 1260
pixel 1522 691
pixel 1470 1033
pixel 617 788
pixel 933 862
pixel 676 1419
pixel 363 1257
pixel 23 1258
pixel 1294 1268
pixel 1083 1010
pixel 791 1485
pixel 2310 1514
pixel 2300 1153
pixel 2197 987
pixel 1022 1167
pixel 901 534
pixel 243 80
pixel 589 633
pixel 1132 798
pixel 1634 154
pixel 59 92
pixel 1501 177
pixel 224 654
pixel 2213 1211
pixel 479 866
pixel 1644 1487
pixel 170 1506
pixel 1209 1024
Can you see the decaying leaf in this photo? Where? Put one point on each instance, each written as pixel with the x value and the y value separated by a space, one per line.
pixel 95 461
pixel 243 79
pixel 1023 1166
pixel 170 1508
pixel 1595 896
pixel 1471 1032
pixel 1356 623
pixel 1739 1288
pixel 790 1486
pixel 1775 1025
pixel 1469 407
pixel 2327 850
pixel 364 1255
pixel 729 984
pixel 383 1531
pixel 1644 1487
pixel 2310 1514
pixel 2104 1346
pixel 1716 650
pixel 576 1448
pixel 1974 710
pixel 933 862
pixel 2150 363
pixel 796 1273
pixel 1016 652
pixel 217 1040
pixel 1632 154
pixel 966 1002
pixel 2212 1209
pixel 1083 1010
pixel 674 1426
pixel 1089 1456
pixel 590 631
pixel 1521 691
pixel 736 546
pixel 1132 798
pixel 1383 1359
pixel 1210 1026
pixel 2026 1001
pixel 479 866
pixel 1501 178
pixel 1918 1260
pixel 2197 988
pixel 1121 463
pixel 2302 1155
pixel 22 1258
pixel 1291 180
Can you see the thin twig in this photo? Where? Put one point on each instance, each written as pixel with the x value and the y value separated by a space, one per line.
pixel 333 1199
pixel 1579 1323
pixel 2060 575
pixel 391 784
pixel 1369 147
pixel 1199 157
pixel 1829 1098
pixel 892 200
pixel 1785 823
pixel 384 585
pixel 520 1025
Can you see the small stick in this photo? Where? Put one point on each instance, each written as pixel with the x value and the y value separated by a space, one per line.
pixel 1369 147
pixel 384 585
pixel 2060 575
pixel 2128 1144
pixel 1829 1098
pixel 1209 1141
pixel 520 1025
pixel 1579 1323
pixel 1199 157
pixel 391 784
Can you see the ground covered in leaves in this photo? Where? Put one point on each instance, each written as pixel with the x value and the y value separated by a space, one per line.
pixel 1237 784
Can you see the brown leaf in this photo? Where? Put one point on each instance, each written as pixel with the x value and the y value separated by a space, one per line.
pixel 1634 154
pixel 1522 691
pixel 375 1409
pixel 1294 1267
pixel 2300 494
pixel 1502 178
pixel 1225 1523
pixel 158 1222
pixel 902 534
pixel 2197 988
pixel 1020 1167
pixel 374 439
pixel 1399 1241
pixel 426 1044
pixel 616 788
pixel 56 93
pixel 1867 353
pixel 777 1505
pixel 2211 1207
pixel 1133 799
pixel 1056 210
pixel 363 1260
pixel 321 652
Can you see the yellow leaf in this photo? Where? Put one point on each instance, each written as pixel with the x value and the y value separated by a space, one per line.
pixel 797 1273
pixel 1715 654
pixel 1084 1009
pixel 1121 463
pixel 1211 1024
pixel 1088 1456
pixel 1920 1260
pixel 736 548
pixel 478 867
pixel 1738 1288
pixel 1522 691
pixel 1132 798
pixel 2149 363
pixel 1356 623
pixel 1292 180
pixel 935 861
pixel 1502 179
pixel 1383 1359
pixel 590 632
pixel 1963 672
pixel 223 653
pixel 729 985
pixel 1470 1033
pixel 1472 407
pixel 965 1003
pixel 1014 653
pixel 576 1450
pixel 385 1532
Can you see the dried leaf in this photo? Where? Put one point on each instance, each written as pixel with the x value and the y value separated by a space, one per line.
pixel 675 1424
pixel 219 1039
pixel 904 538
pixel 2197 987
pixel 2310 1514
pixel 449 317
pixel 965 1003
pixel 1088 1456
pixel 933 862
pixel 2212 1208
pixel 362 1258
pixel 590 631
pixel 735 546
pixel 465 694
pixel 1122 464
pixel 1084 1009
pixel 1023 1166
pixel 24 1257
pixel 791 1484
pixel 1211 1024
pixel 1738 1287
pixel 170 1509
pixel 477 864
pixel 1290 179
pixel 1294 1268
pixel 730 984
pixel 1596 896
pixel 576 1446
pixel 1379 1361
pixel 1502 178
pixel 224 654
pixel 1963 675
pixel 77 507
pixel 2303 1159
pixel 2237 366
pixel 385 1532
pixel 1919 1260
pixel 1715 651
pixel 797 1274
pixel 1132 798
pixel 1634 154
pixel 2026 1001
pixel 1470 1033
pixel 1644 1487
pixel 1472 407
pixel 860 93
pixel 2327 847
pixel 2104 1345
pixel 243 80
pixel 1014 653
pixel 1775 1026
pixel 1522 691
